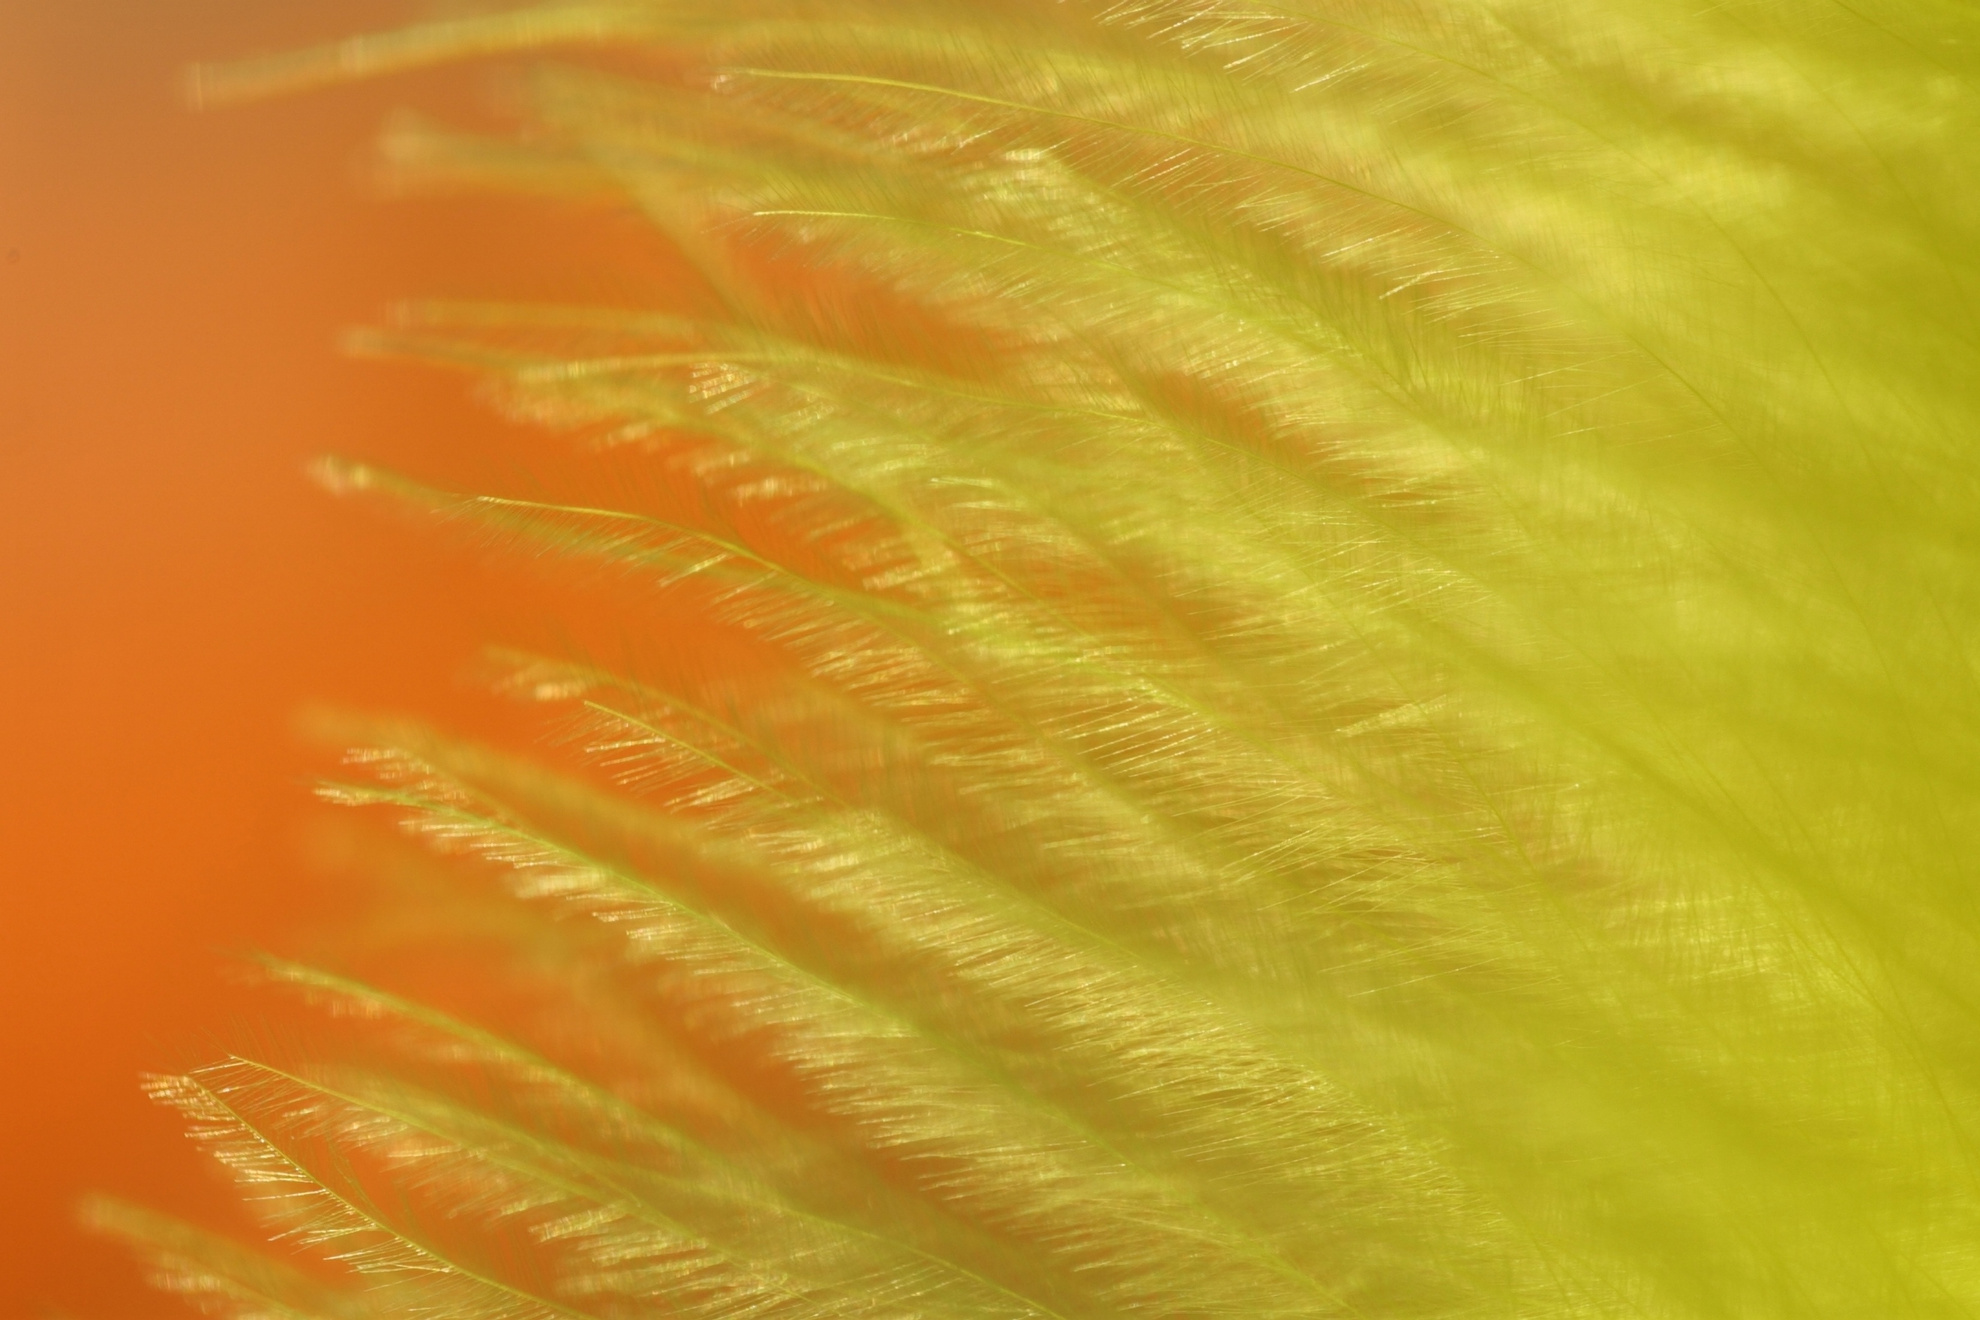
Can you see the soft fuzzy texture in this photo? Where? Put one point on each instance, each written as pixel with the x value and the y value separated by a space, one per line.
pixel 1295 659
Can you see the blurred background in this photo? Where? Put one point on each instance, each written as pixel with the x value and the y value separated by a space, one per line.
pixel 172 284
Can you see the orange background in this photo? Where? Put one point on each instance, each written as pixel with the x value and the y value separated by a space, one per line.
pixel 171 588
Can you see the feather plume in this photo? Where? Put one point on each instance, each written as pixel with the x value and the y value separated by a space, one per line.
pixel 1281 660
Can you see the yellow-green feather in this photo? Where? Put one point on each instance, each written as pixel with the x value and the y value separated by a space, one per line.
pixel 1364 702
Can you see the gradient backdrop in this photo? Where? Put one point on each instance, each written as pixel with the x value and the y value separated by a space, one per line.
pixel 171 588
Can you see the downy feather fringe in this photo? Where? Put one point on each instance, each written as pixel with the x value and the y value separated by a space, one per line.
pixel 1298 659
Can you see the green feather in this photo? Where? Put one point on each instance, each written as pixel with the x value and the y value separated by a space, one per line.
pixel 1280 660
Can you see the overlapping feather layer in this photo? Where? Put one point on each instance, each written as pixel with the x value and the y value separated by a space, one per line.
pixel 1305 659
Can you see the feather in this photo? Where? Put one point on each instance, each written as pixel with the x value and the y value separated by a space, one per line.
pixel 1278 660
